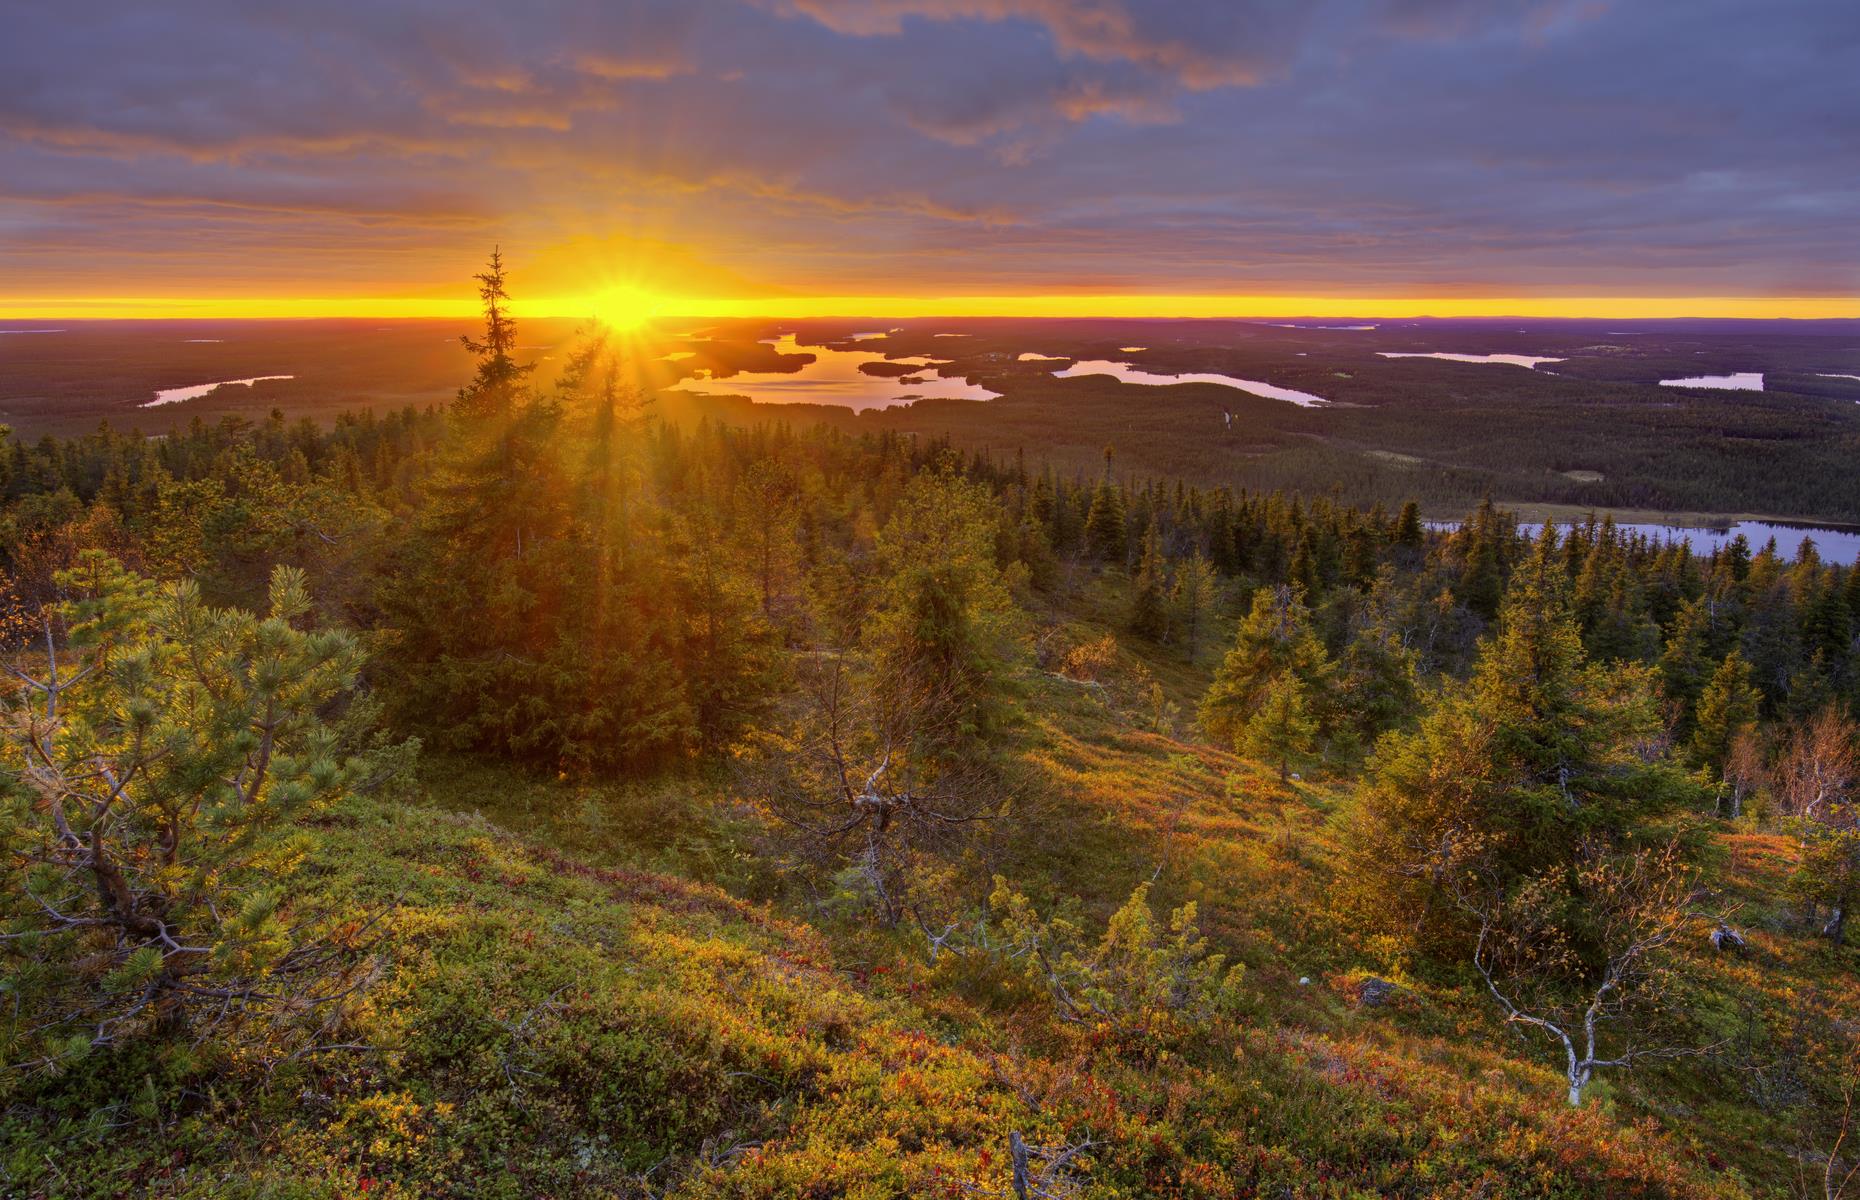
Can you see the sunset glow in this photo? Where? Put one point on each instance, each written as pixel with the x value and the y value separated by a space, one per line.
pixel 934 157
pixel 626 308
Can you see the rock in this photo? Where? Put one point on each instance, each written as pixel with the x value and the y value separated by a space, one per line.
pixel 1726 940
pixel 1304 981
pixel 1374 993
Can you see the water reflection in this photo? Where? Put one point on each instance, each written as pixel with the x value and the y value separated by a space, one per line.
pixel 1514 360
pixel 1831 543
pixel 834 378
pixel 1129 374
pixel 196 391
pixel 1742 381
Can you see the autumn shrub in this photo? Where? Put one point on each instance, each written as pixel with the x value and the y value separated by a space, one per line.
pixel 157 759
pixel 1141 977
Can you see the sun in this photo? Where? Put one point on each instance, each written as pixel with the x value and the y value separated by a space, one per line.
pixel 625 308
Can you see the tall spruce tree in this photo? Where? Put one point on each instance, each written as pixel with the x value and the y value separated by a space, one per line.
pixel 1194 600
pixel 1106 519
pixel 1276 639
pixel 943 631
pixel 1511 773
pixel 1149 597
pixel 1281 730
pixel 1727 707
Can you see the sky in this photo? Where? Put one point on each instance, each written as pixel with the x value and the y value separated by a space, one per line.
pixel 797 157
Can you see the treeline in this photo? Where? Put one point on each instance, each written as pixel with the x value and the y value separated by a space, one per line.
pixel 506 549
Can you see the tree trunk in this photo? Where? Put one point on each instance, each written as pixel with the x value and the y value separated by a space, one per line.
pixel 113 889
pixel 1836 928
pixel 1580 1070
pixel 1017 1152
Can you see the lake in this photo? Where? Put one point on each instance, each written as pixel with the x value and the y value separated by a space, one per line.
pixel 834 378
pixel 1514 360
pixel 1840 545
pixel 1742 381
pixel 1127 373
pixel 196 391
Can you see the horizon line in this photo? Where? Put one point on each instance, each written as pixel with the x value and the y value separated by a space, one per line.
pixel 1104 306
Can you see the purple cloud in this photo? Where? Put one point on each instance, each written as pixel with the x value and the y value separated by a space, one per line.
pixel 1662 147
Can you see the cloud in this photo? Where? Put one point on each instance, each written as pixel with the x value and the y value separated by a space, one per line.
pixel 1460 19
pixel 961 145
pixel 1201 45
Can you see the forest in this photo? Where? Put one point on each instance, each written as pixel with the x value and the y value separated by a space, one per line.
pixel 1590 430
pixel 539 795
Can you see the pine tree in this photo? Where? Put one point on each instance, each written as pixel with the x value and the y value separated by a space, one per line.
pixel 166 757
pixel 1106 539
pixel 1282 730
pixel 1275 639
pixel 1684 665
pixel 1511 774
pixel 1149 609
pixel 1197 592
pixel 1727 707
pixel 1408 532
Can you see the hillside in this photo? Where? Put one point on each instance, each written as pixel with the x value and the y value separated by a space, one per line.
pixel 544 1025
pixel 562 1009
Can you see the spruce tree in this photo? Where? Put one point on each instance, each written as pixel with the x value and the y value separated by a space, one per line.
pixel 1828 625
pixel 1149 608
pixel 1727 707
pixel 1377 673
pixel 1511 774
pixel 1482 573
pixel 943 630
pixel 1684 665
pixel 1282 730
pixel 1408 532
pixel 1275 639
pixel 1197 592
pixel 1106 539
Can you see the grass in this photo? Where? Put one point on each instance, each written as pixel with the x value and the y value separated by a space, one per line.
pixel 597 990
pixel 545 1026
